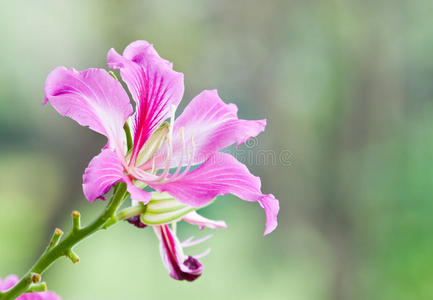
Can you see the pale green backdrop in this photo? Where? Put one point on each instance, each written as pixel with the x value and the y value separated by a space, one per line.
pixel 347 88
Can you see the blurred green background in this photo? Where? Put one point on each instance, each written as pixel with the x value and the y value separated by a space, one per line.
pixel 347 88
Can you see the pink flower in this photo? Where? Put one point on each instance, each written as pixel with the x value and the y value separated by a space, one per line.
pixel 11 280
pixel 179 159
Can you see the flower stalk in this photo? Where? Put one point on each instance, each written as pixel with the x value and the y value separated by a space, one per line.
pixel 58 248
pixel 130 212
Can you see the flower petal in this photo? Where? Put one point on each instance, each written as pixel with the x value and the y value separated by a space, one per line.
pixel 39 296
pixel 137 194
pixel 8 282
pixel 92 98
pixel 103 172
pixel 221 174
pixel 196 219
pixel 140 51
pixel 180 266
pixel 153 84
pixel 212 125
pixel 271 207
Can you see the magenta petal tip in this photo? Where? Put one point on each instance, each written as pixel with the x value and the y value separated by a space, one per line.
pixel 271 207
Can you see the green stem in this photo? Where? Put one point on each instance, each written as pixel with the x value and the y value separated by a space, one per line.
pixel 125 214
pixel 64 248
pixel 130 212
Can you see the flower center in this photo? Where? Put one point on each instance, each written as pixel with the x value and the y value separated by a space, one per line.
pixel 182 152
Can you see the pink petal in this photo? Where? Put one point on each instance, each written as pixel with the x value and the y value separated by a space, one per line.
pixel 271 207
pixel 221 174
pixel 153 84
pixel 8 282
pixel 92 98
pixel 103 172
pixel 39 296
pixel 137 194
pixel 180 266
pixel 196 219
pixel 212 125
pixel 140 51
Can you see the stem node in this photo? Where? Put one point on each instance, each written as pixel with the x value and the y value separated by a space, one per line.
pixel 36 278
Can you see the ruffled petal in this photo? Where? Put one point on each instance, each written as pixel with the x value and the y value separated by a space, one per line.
pixel 141 51
pixel 196 219
pixel 221 174
pixel 153 84
pixel 104 171
pixel 92 98
pixel 208 125
pixel 180 267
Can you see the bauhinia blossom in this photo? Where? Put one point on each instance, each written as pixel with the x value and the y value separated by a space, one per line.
pixel 177 159
pixel 9 282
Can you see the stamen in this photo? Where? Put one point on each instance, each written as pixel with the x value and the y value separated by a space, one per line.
pixel 153 166
pixel 203 254
pixel 187 240
pixel 142 175
pixel 190 242
pixel 179 173
pixel 170 146
pixel 190 160
pixel 184 149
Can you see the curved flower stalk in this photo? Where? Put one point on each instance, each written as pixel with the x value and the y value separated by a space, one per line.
pixel 178 159
pixel 11 280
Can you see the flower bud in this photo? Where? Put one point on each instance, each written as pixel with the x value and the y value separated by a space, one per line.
pixel 163 209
